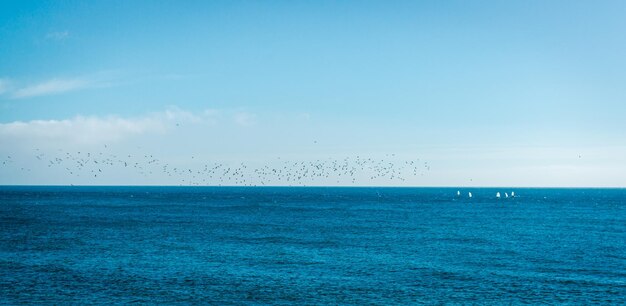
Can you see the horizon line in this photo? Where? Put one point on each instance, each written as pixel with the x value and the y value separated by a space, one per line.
pixel 323 186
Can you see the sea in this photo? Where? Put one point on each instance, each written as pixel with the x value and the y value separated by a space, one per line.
pixel 311 246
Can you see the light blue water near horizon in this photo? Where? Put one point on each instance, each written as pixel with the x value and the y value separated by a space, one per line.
pixel 311 245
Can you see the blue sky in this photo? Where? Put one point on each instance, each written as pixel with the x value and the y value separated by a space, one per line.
pixel 516 93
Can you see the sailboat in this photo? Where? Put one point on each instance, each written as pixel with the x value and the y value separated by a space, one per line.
pixel 513 194
pixel 497 195
pixel 469 194
pixel 458 193
pixel 506 195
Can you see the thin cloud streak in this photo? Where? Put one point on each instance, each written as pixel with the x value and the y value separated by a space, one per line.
pixel 58 35
pixel 16 89
pixel 52 87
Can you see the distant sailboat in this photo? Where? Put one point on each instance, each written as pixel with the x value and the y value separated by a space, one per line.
pixel 469 194
pixel 506 195
pixel 497 195
pixel 513 194
pixel 458 193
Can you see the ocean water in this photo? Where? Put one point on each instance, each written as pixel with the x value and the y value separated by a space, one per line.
pixel 252 245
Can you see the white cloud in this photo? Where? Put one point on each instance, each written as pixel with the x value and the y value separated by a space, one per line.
pixel 94 129
pixel 50 87
pixel 245 119
pixel 58 35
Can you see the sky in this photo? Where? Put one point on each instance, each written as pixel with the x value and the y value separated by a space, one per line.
pixel 488 93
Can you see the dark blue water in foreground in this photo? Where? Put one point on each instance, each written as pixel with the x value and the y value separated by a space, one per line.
pixel 80 245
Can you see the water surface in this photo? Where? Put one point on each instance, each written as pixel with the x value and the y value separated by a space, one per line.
pixel 231 245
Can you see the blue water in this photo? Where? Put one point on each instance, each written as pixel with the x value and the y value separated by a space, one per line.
pixel 302 245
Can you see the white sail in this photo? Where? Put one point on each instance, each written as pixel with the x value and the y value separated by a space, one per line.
pixel 458 193
pixel 469 194
pixel 513 193
pixel 497 195
pixel 506 195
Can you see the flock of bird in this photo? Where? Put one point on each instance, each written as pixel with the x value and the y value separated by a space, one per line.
pixel 342 171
